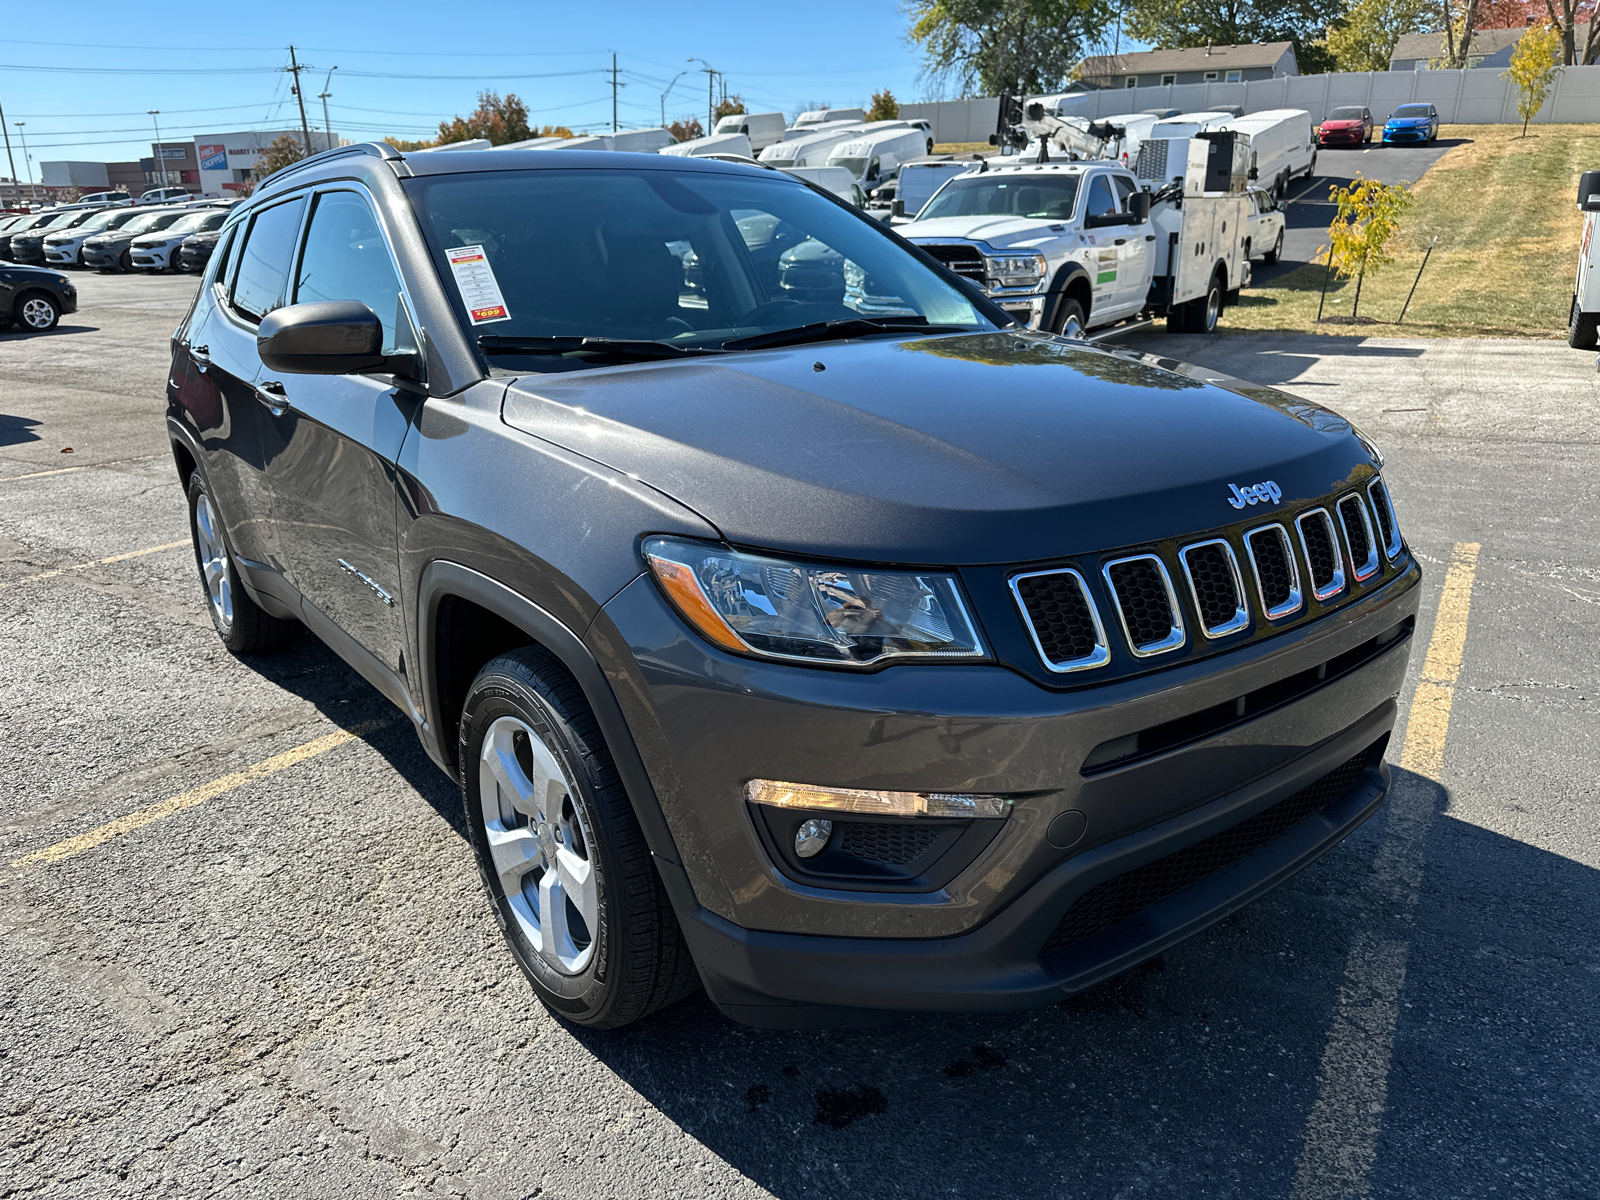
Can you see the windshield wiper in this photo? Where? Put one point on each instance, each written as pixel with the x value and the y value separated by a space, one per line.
pixel 638 351
pixel 824 331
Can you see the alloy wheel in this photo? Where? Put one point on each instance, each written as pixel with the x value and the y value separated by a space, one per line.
pixel 540 843
pixel 213 551
pixel 38 313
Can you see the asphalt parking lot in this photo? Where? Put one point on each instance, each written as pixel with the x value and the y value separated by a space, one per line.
pixel 244 951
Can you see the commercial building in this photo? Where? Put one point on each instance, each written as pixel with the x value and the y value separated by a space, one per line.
pixel 1200 64
pixel 171 164
pixel 225 162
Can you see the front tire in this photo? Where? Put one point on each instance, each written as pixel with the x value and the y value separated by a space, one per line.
pixel 241 623
pixel 1071 320
pixel 565 864
pixel 1583 329
pixel 1273 255
pixel 36 312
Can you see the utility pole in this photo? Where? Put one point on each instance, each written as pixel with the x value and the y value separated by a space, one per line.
pixel 711 92
pixel 327 125
pixel 27 163
pixel 614 86
pixel 675 79
pixel 294 68
pixel 15 183
pixel 161 163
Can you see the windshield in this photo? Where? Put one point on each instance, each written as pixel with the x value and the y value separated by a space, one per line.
pixel 150 221
pixel 67 220
pixel 690 258
pixel 1045 199
pixel 194 222
pixel 1345 114
pixel 919 183
pixel 1411 110
pixel 98 222
pixel 856 166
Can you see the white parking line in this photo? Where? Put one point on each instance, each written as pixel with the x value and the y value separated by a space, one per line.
pixel 1341 1142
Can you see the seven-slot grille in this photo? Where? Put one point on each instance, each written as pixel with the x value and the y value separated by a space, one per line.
pixel 962 259
pixel 1063 618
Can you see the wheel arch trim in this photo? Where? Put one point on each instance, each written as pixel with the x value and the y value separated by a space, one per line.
pixel 1063 279
pixel 442 578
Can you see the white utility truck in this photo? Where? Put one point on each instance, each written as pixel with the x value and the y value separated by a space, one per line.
pixel 1070 247
pixel 1583 326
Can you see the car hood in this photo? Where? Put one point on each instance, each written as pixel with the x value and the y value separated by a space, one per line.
pixel 999 232
pixel 960 450
pixel 157 238
pixel 110 238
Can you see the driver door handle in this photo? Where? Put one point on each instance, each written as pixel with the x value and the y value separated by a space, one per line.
pixel 201 356
pixel 270 393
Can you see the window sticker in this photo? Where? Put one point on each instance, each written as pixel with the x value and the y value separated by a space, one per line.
pixel 480 290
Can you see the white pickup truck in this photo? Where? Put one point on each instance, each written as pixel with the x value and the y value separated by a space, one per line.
pixel 1583 326
pixel 1070 247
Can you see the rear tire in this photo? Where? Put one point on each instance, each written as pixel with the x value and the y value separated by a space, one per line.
pixel 572 882
pixel 1204 313
pixel 241 624
pixel 1583 329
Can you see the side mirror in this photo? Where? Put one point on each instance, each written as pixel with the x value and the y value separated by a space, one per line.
pixel 1139 207
pixel 1100 220
pixel 329 337
pixel 1589 191
pixel 898 208
pixel 1254 174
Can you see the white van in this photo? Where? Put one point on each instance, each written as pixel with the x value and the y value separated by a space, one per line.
pixel 831 179
pixel 811 148
pixel 1135 128
pixel 875 158
pixel 825 116
pixel 1283 146
pixel 717 143
pixel 762 129
pixel 918 182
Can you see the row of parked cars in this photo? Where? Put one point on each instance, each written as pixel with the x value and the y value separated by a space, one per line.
pixel 1352 125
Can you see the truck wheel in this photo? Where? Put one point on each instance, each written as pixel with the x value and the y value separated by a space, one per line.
pixel 561 855
pixel 1204 312
pixel 1583 329
pixel 1272 256
pixel 1070 320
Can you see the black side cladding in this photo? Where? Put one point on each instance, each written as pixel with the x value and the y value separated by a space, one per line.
pixel 1123 896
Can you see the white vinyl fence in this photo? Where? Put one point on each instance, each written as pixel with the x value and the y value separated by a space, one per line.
pixel 1468 97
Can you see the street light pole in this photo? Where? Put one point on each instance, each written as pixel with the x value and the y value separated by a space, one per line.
pixel 711 92
pixel 16 184
pixel 675 79
pixel 161 163
pixel 27 163
pixel 327 125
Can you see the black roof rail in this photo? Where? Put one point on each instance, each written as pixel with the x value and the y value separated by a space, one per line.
pixel 372 149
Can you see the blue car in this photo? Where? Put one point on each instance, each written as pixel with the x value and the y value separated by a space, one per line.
pixel 1411 123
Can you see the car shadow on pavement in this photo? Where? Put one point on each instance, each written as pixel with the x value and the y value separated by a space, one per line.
pixel 1266 359
pixel 13 333
pixel 14 431
pixel 1194 1074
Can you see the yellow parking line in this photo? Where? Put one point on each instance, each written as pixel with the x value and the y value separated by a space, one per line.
pixel 113 462
pixel 1429 722
pixel 206 791
pixel 115 558
pixel 37 474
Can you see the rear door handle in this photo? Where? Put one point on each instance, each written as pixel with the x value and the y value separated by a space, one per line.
pixel 270 393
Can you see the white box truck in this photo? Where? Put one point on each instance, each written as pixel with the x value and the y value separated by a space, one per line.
pixel 1283 146
pixel 763 129
pixel 1583 326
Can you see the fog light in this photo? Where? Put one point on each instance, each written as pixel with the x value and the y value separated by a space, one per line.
pixel 812 837
pixel 884 804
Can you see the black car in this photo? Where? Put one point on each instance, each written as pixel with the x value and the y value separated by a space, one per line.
pixel 33 299
pixel 849 665
pixel 195 252
pixel 22 224
pixel 112 250
pixel 27 247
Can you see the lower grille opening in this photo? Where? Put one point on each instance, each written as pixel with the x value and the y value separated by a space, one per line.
pixel 1117 899
pixel 894 845
pixel 1208 722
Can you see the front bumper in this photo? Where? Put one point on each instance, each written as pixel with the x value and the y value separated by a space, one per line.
pixel 1341 137
pixel 61 256
pixel 149 258
pixel 1405 135
pixel 101 256
pixel 776 951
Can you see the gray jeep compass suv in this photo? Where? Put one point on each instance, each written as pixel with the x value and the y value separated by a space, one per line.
pixel 848 665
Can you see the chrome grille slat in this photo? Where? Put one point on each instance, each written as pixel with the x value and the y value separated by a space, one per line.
pixel 964 260
pixel 1060 614
pixel 1320 543
pixel 1131 587
pixel 1388 525
pixel 1358 537
pixel 1258 543
pixel 1200 589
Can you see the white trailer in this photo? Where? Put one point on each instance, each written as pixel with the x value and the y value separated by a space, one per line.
pixel 1583 325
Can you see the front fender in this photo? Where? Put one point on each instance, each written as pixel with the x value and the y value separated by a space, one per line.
pixel 1059 283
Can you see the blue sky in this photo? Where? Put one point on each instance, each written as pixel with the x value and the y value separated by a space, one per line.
pixel 407 64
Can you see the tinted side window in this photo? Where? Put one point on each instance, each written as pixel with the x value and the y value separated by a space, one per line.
pixel 222 257
pixel 1125 189
pixel 1100 201
pixel 346 258
pixel 264 259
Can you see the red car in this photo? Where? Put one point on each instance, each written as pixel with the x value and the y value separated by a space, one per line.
pixel 1347 126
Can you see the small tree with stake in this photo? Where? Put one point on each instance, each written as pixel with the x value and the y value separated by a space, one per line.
pixel 1368 217
pixel 1534 64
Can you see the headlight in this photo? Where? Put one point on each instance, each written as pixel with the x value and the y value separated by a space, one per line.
pixel 1015 270
pixel 803 612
